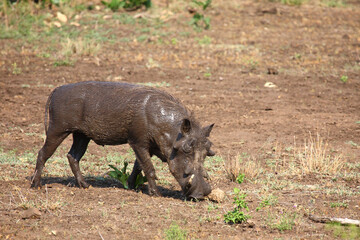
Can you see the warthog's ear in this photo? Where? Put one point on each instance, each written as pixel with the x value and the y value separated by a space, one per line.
pixel 207 130
pixel 185 127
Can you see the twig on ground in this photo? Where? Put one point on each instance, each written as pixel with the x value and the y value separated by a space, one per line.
pixel 344 221
pixel 100 235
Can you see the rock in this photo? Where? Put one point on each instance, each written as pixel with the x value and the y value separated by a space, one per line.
pixel 31 213
pixel 57 24
pixel 269 85
pixel 216 195
pixel 272 71
pixel 62 18
pixel 75 24
pixel 263 11
pixel 250 224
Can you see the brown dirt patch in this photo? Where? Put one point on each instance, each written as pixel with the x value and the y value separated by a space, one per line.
pixel 308 47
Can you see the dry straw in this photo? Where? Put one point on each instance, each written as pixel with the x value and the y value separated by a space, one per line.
pixel 241 165
pixel 311 157
pixel 314 157
pixel 80 47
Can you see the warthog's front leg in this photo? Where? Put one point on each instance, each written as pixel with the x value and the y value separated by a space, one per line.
pixel 144 159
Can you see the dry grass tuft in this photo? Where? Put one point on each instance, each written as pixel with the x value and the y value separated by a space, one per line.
pixel 314 157
pixel 80 47
pixel 242 165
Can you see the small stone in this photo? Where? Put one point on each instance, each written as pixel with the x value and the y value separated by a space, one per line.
pixel 346 36
pixel 31 213
pixel 62 18
pixel 107 17
pixel 75 24
pixel 250 224
pixel 57 24
pixel 272 71
pixel 217 195
pixel 269 85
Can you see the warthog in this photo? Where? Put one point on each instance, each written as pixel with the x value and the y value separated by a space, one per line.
pixel 151 121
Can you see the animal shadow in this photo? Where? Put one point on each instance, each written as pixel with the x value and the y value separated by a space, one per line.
pixel 101 182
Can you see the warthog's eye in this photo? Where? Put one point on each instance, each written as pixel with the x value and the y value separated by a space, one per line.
pixel 188 145
pixel 186 175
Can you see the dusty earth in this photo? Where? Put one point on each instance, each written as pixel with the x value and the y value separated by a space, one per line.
pixel 220 74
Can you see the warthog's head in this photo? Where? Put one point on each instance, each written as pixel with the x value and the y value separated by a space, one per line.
pixel 187 160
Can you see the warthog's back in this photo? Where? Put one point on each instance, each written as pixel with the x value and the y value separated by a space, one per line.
pixel 109 112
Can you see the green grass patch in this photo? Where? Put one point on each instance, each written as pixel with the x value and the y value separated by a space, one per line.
pixel 349 232
pixel 283 221
pixel 205 40
pixel 63 62
pixel 333 3
pixel 124 18
pixel 174 232
pixel 269 200
pixel 339 204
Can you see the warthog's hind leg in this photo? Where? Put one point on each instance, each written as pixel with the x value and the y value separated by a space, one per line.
pixel 78 148
pixel 53 140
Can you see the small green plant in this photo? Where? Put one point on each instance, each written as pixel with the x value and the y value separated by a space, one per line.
pixel 207 74
pixel 267 201
pixel 174 232
pixel 15 69
pixel 240 178
pixel 297 56
pixel 285 221
pixel 333 3
pixel 122 176
pixel 237 216
pixel 174 41
pixel 252 64
pixel 344 78
pixel 206 40
pixel 199 21
pixel 292 2
pixel 64 62
pixel 114 5
pixel 211 207
pixel 339 204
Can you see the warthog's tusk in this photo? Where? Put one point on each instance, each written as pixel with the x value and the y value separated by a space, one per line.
pixel 191 178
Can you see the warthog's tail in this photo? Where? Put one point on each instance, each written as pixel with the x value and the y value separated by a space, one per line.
pixel 47 106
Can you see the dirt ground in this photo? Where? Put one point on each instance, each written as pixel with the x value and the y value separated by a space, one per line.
pixel 311 53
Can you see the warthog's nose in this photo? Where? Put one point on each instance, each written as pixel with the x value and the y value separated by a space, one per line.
pixel 200 190
pixel 207 189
